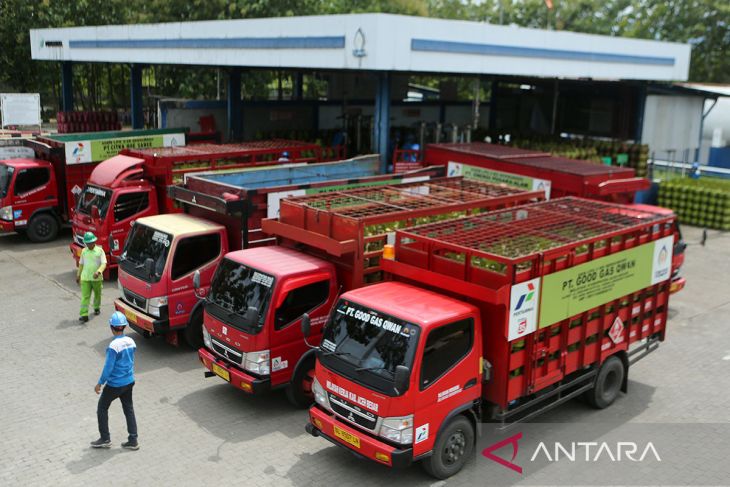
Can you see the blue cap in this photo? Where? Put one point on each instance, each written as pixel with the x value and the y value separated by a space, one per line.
pixel 118 319
pixel 285 154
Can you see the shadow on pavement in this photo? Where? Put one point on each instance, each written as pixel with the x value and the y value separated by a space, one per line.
pixel 92 457
pixel 333 460
pixel 233 416
pixel 152 353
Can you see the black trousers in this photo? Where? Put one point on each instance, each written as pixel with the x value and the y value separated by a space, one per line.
pixel 108 395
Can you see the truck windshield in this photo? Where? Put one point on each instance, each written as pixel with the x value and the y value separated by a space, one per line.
pixel 6 174
pixel 145 243
pixel 94 196
pixel 234 289
pixel 366 345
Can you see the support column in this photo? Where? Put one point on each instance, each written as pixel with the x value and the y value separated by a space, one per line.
pixel 493 106
pixel 135 86
pixel 235 126
pixel 381 122
pixel 298 86
pixel 67 86
pixel 640 107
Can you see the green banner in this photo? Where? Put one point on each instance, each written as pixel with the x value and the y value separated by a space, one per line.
pixel 586 286
pixel 498 177
pixel 106 148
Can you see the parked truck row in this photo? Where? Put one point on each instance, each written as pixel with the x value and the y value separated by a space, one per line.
pixel 403 310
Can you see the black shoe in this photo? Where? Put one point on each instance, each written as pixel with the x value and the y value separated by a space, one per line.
pixel 131 445
pixel 97 312
pixel 83 319
pixel 101 443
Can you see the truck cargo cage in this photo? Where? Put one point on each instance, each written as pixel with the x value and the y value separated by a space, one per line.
pixel 484 256
pixel 518 244
pixel 361 221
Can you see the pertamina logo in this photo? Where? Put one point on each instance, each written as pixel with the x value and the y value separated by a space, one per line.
pixel 527 297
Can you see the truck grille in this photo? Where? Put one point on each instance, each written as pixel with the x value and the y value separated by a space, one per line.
pixel 79 239
pixel 229 353
pixel 352 413
pixel 135 299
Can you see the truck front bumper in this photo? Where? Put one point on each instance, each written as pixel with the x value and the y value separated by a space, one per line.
pixel 142 323
pixel 237 378
pixel 361 445
pixel 7 226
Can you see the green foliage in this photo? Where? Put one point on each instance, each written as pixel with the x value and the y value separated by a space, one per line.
pixel 705 24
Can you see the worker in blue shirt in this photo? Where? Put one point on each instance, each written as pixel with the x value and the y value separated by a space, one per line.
pixel 118 375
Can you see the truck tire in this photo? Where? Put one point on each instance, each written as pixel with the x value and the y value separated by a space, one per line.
pixel 193 333
pixel 299 390
pixel 608 383
pixel 452 449
pixel 42 228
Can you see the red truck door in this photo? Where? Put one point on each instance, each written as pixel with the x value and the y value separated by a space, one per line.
pixel 310 294
pixel 36 199
pixel 195 253
pixel 127 205
pixel 447 379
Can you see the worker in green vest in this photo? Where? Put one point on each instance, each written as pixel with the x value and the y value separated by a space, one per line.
pixel 90 275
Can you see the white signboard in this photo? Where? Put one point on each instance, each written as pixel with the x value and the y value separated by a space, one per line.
pixel 524 298
pixel 20 109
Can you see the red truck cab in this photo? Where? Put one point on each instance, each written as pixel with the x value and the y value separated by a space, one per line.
pixel 252 319
pixel 115 196
pixel 412 328
pixel 29 198
pixel 157 268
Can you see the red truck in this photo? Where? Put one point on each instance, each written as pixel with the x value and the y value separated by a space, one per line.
pixel 134 185
pixel 38 191
pixel 163 253
pixel 500 316
pixel 564 177
pixel 327 243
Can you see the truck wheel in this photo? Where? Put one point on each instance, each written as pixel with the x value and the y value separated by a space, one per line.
pixel 42 228
pixel 453 448
pixel 608 383
pixel 193 333
pixel 299 390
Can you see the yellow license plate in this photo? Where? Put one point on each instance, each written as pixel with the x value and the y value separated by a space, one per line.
pixel 221 372
pixel 131 316
pixel 349 438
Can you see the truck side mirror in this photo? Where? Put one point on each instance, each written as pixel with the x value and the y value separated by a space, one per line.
pixel 400 378
pixel 196 280
pixel 95 212
pixel 306 325
pixel 252 315
pixel 149 266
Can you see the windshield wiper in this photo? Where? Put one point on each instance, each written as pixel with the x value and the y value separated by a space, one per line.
pixel 327 353
pixel 373 369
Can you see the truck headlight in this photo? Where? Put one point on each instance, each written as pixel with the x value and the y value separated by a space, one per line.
pixel 206 338
pixel 156 304
pixel 398 429
pixel 320 396
pixel 258 362
pixel 6 213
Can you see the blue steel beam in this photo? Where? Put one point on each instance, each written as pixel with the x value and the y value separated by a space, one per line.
pixel 381 125
pixel 233 105
pixel 135 86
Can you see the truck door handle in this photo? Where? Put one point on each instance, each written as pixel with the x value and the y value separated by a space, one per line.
pixel 470 383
